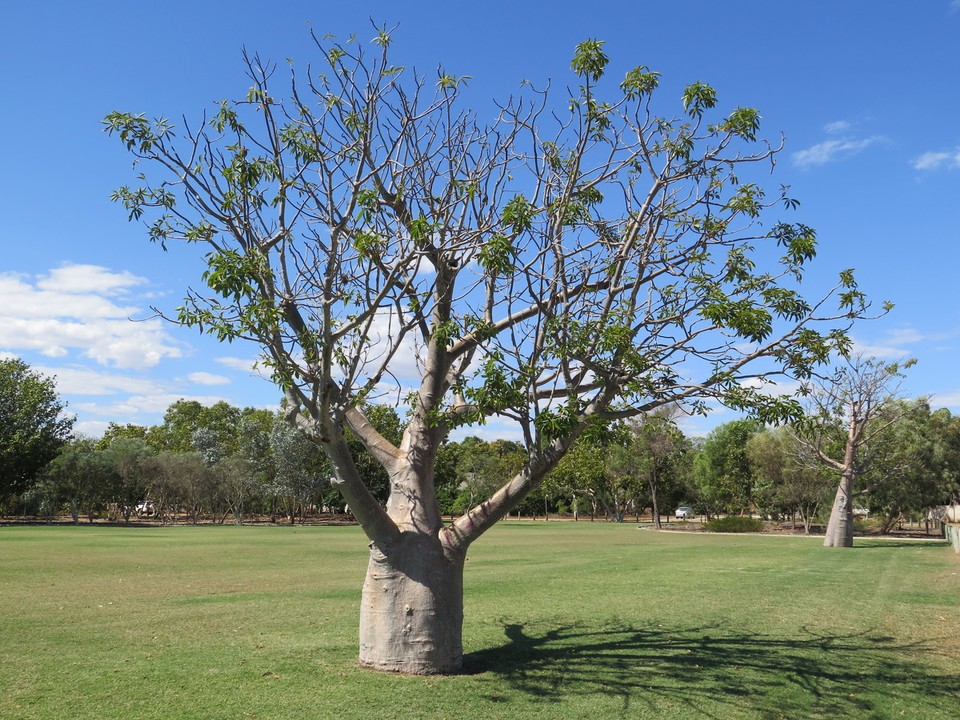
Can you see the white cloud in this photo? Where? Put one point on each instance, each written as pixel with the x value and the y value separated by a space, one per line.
pixel 894 344
pixel 947 400
pixel 77 308
pixel 38 300
pixel 404 365
pixel 115 396
pixel 494 429
pixel 773 387
pixel 80 381
pixel 237 363
pixel 938 161
pixel 880 351
pixel 139 405
pixel 836 127
pixel 88 279
pixel 205 378
pixel 905 336
pixel 831 150
pixel 954 5
pixel 91 428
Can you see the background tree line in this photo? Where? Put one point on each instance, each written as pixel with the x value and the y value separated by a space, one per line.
pixel 223 463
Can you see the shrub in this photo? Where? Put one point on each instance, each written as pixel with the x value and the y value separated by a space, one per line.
pixel 865 527
pixel 735 524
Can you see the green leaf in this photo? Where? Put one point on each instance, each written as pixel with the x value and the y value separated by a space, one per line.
pixel 698 97
pixel 743 122
pixel 383 38
pixel 518 214
pixel 497 256
pixel 639 81
pixel 452 82
pixel 589 59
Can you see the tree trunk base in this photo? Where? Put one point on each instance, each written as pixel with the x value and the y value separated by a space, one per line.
pixel 411 616
pixel 839 531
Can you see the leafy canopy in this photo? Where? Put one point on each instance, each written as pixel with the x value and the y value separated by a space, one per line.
pixel 561 264
pixel 33 424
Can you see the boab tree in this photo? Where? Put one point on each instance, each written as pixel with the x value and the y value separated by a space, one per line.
pixel 556 267
pixel 850 425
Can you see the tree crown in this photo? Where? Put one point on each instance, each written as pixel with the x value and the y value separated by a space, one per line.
pixel 555 267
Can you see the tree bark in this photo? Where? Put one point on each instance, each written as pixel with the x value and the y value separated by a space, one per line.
pixel 655 504
pixel 411 614
pixel 840 526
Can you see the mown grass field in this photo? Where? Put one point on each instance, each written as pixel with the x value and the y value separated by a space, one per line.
pixel 563 620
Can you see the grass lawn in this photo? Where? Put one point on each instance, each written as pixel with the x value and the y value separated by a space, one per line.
pixel 563 620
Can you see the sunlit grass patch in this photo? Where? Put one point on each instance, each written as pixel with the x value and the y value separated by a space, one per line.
pixel 563 620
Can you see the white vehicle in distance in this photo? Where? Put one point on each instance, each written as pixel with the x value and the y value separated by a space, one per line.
pixel 683 512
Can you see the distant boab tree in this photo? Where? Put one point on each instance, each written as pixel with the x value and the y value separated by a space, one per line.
pixel 850 427
pixel 561 265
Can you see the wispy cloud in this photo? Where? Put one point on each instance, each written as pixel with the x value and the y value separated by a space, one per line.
pixel 116 396
pixel 900 343
pixel 880 351
pixel 133 395
pixel 238 363
pixel 88 279
pixel 86 382
pixel 836 127
pixel 842 144
pixel 773 388
pixel 85 309
pixel 831 150
pixel 938 160
pixel 205 378
pixel 954 6
pixel 947 400
pixel 142 405
pixel 250 366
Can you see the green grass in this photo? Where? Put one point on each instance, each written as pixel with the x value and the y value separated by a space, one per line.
pixel 563 620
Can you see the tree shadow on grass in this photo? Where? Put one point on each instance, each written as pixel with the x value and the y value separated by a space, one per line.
pixel 868 543
pixel 717 672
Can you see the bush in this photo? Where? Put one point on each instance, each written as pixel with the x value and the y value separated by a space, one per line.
pixel 865 527
pixel 735 524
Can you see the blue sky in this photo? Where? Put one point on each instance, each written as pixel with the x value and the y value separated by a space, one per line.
pixel 866 95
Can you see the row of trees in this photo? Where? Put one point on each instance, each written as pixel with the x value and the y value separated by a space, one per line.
pixel 200 462
pixel 227 463
pixel 778 472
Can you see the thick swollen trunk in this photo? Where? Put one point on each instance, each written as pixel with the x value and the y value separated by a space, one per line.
pixel 840 526
pixel 411 615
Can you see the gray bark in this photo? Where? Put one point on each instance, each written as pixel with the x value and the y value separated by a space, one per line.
pixel 411 614
pixel 840 526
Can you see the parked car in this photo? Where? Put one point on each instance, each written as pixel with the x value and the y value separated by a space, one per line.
pixel 683 512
